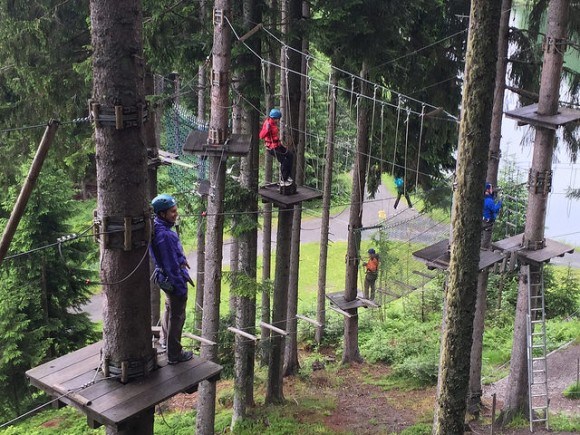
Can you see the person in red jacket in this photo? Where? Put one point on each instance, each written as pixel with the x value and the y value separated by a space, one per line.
pixel 270 133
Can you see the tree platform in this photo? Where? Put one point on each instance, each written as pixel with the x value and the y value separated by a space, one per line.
pixel 437 256
pixel 235 145
pixel 74 379
pixel 550 250
pixel 339 300
pixel 529 115
pixel 271 193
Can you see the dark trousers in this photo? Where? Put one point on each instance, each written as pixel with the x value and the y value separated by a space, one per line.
pixel 370 284
pixel 407 197
pixel 172 324
pixel 286 159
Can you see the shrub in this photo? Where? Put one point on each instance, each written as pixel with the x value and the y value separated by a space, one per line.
pixel 573 391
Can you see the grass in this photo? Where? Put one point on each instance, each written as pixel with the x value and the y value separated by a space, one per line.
pixel 573 391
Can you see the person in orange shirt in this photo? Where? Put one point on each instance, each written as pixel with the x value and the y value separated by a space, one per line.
pixel 270 133
pixel 371 274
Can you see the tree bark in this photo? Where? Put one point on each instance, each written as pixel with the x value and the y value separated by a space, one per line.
pixel 351 351
pixel 218 133
pixel 275 387
pixel 474 136
pixel 291 363
pixel 267 231
pixel 249 80
pixel 121 155
pixel 475 390
pixel 151 137
pixel 539 185
pixel 326 196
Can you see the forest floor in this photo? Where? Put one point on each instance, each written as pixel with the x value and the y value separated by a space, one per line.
pixel 360 402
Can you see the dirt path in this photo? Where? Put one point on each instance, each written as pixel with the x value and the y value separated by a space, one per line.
pixel 562 372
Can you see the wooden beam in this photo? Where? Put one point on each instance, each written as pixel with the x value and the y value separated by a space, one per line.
pixel 242 333
pixel 198 338
pixel 273 328
pixel 314 322
pixel 338 310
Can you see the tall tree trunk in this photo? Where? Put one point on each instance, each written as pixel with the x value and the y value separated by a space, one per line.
pixel 474 136
pixel 151 141
pixel 121 155
pixel 539 185
pixel 474 395
pixel 267 227
pixel 325 223
pixel 275 387
pixel 291 364
pixel 218 133
pixel 246 308
pixel 201 223
pixel 351 351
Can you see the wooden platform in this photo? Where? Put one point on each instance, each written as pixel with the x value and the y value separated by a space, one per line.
pixel 338 300
pixel 271 193
pixel 108 401
pixel 437 256
pixel 236 145
pixel 528 115
pixel 551 250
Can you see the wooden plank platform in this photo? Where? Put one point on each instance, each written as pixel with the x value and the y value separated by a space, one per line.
pixel 529 115
pixel 108 401
pixel 437 256
pixel 552 249
pixel 271 193
pixel 338 300
pixel 236 145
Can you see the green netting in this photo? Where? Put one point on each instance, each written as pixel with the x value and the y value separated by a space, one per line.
pixel 177 123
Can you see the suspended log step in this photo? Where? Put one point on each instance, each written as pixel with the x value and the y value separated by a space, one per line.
pixel 309 320
pixel 242 333
pixel 75 379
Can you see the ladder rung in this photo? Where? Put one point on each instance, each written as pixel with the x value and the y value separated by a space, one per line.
pixel 535 322
pixel 539 395
pixel 539 371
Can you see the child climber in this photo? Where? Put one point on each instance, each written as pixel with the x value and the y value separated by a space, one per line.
pixel 270 133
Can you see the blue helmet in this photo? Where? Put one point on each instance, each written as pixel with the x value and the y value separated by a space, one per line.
pixel 275 113
pixel 163 202
pixel 487 186
pixel 372 251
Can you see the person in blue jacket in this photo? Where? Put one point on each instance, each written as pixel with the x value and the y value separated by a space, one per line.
pixel 171 275
pixel 402 191
pixel 491 208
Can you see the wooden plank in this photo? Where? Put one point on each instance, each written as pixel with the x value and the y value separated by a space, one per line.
pixel 339 300
pixel 149 398
pixel 63 374
pixel 307 319
pixel 242 333
pixel 338 310
pixel 270 193
pixel 236 145
pixel 273 328
pixel 423 274
pixel 198 338
pixel 405 285
pixel 64 361
pixel 529 115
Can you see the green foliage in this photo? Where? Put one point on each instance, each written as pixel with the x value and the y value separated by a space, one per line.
pixel 512 191
pixel 67 421
pixel 42 292
pixel 412 349
pixel 561 423
pixel 573 391
pixel 418 429
pixel 562 295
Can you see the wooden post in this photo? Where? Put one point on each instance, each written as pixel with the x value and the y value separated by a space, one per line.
pixel 27 187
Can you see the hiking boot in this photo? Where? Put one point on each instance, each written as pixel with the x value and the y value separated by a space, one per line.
pixel 185 355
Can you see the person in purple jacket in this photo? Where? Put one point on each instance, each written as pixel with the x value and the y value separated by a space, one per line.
pixel 172 276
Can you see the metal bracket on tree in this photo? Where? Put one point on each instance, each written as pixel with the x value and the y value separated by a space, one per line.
pixel 555 45
pixel 533 245
pixel 540 181
pixel 118 116
pixel 125 233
